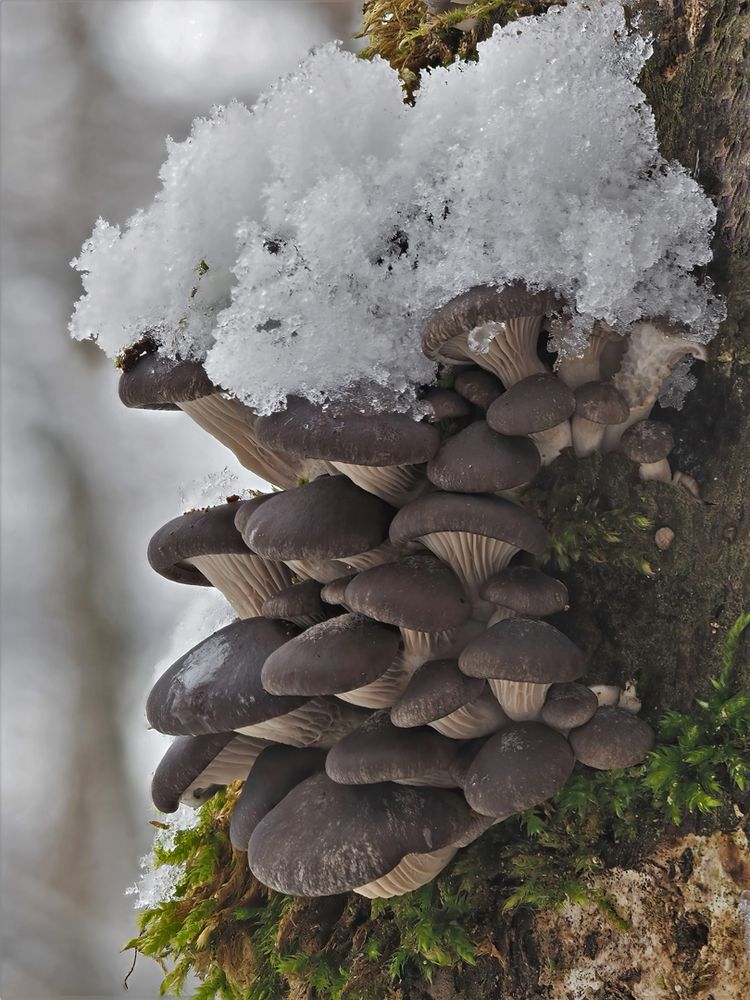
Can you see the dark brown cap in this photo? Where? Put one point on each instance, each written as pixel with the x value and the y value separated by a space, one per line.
pixel 183 763
pixel 445 405
pixel 647 441
pixel 418 592
pixel 517 768
pixel 527 591
pixel 307 430
pixel 525 650
pixel 275 773
pixel 325 838
pixel 380 751
pixel 154 382
pixel 568 706
pixel 216 686
pixel 480 305
pixel 600 403
pixel 333 657
pixel 198 533
pixel 612 738
pixel 480 387
pixel 534 404
pixel 301 600
pixel 477 460
pixel 325 519
pixel 477 514
pixel 333 592
pixel 436 689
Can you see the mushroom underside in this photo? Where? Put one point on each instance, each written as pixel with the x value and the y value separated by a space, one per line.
pixel 320 722
pixel 396 484
pixel 412 872
pixel 387 689
pixel 473 558
pixel 479 718
pixel 521 701
pixel 233 763
pixel 245 580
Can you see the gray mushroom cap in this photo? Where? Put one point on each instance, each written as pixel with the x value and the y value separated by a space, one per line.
pixel 185 760
pixel 325 519
pixel 475 513
pixel 307 430
pixel 600 403
pixel 197 533
pixel 333 592
pixel 335 656
pixel 275 773
pixel 301 599
pixel 325 838
pixel 647 441
pixel 518 768
pixel 525 650
pixel 612 738
pixel 527 591
pixel 216 685
pixel 479 305
pixel 568 705
pixel 480 387
pixel 477 460
pixel 437 688
pixel 418 592
pixel 155 382
pixel 379 751
pixel 445 405
pixel 534 404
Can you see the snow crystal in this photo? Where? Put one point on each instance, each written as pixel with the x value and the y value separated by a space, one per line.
pixel 300 247
pixel 208 612
pixel 157 884
pixel 678 384
pixel 209 491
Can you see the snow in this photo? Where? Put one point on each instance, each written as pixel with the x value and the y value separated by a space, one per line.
pixel 333 218
pixel 208 612
pixel 678 384
pixel 157 884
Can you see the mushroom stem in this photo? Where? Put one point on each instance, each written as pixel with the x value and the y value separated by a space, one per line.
pixel 587 436
pixel 396 484
pixel 500 615
pixel 521 701
pixel 656 470
pixel 479 718
pixel 577 371
pixel 412 872
pixel 551 442
pixel 245 580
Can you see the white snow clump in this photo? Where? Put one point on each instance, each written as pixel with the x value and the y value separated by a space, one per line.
pixel 300 247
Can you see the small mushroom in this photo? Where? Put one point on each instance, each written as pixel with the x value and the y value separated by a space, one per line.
pixel 448 409
pixel 517 768
pixel 598 406
pixel 203 547
pixel 313 526
pixel 522 658
pixel 299 603
pixel 567 706
pixel 648 443
pixel 495 328
pixel 538 406
pixel 477 460
pixel 441 696
pixel 612 738
pixel 480 387
pixel 524 591
pixel 380 840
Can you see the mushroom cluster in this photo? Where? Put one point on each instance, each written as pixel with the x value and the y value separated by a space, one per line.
pixel 390 687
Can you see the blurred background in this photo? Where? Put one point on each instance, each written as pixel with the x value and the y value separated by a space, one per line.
pixel 90 89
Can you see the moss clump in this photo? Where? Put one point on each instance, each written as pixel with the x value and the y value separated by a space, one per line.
pixel 247 943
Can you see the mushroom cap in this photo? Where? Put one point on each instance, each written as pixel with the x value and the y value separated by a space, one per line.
pixel 307 430
pixel 517 768
pixel 275 773
pixel 298 600
pixel 477 460
pixel 337 655
pixel 379 751
pixel 446 404
pixel 208 532
pixel 477 306
pixel 436 689
pixel 527 591
pixel 600 403
pixel 216 685
pixel 612 738
pixel 647 441
pixel 525 650
pixel 333 592
pixel 185 760
pixel 325 519
pixel 534 404
pixel 569 705
pixel 325 838
pixel 154 382
pixel 475 513
pixel 418 592
pixel 479 386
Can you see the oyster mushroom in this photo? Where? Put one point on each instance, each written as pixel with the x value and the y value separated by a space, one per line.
pixel 299 603
pixel 526 592
pixel 568 706
pixel 591 365
pixel 477 460
pixel 648 443
pixel 598 406
pixel 480 387
pixel 538 406
pixel 612 738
